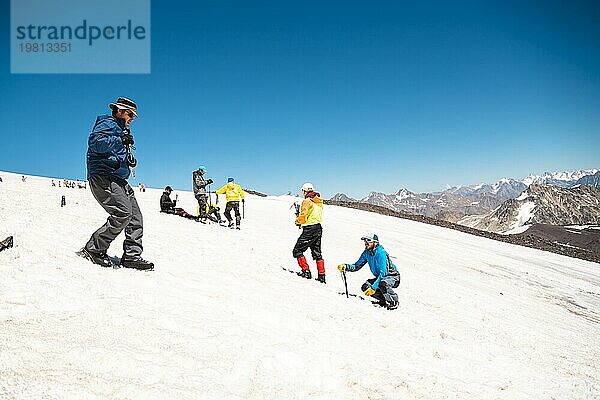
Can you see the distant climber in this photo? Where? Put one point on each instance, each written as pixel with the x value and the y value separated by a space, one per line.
pixel 233 193
pixel 310 218
pixel 387 278
pixel 169 206
pixel 199 184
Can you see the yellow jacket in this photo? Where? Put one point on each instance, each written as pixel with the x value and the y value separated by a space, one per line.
pixel 232 192
pixel 311 211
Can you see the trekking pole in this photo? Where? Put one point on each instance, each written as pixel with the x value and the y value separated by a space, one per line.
pixel 345 282
pixel 243 210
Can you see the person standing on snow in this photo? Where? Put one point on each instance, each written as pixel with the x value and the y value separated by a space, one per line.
pixel 387 278
pixel 310 219
pixel 199 186
pixel 233 192
pixel 108 163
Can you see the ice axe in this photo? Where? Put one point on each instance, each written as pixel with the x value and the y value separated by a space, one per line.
pixel 345 281
pixel 296 207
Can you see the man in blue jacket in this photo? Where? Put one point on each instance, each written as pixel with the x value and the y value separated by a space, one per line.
pixel 108 163
pixel 386 278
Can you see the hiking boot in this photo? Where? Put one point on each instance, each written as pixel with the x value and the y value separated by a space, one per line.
pixel 100 259
pixel 136 262
pixel 321 278
pixel 6 243
pixel 305 273
pixel 231 225
pixel 392 305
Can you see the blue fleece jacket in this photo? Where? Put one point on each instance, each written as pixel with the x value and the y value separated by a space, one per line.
pixel 106 153
pixel 378 261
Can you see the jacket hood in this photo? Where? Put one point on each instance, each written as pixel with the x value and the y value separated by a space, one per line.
pixel 315 197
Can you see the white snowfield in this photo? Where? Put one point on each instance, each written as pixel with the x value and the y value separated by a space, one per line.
pixel 219 319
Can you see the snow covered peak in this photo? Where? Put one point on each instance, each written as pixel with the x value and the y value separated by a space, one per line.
pixel 404 194
pixel 554 177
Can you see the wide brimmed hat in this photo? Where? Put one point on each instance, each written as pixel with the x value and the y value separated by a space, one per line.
pixel 123 103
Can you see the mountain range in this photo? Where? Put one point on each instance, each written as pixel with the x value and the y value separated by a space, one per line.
pixel 455 203
pixel 542 204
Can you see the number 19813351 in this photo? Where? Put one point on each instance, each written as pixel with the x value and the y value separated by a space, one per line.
pixel 45 47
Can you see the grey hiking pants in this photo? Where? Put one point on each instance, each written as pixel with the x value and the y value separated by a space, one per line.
pixel 118 200
pixel 385 291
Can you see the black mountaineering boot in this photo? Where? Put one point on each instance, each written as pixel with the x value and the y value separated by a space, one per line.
pixel 136 262
pixel 100 259
pixel 305 273
pixel 321 278
pixel 6 243
pixel 392 305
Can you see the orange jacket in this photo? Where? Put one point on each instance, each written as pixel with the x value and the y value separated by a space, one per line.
pixel 311 211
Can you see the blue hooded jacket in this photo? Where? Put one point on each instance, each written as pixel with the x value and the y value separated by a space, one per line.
pixel 106 153
pixel 379 262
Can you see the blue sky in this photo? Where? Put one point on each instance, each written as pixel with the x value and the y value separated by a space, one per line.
pixel 352 96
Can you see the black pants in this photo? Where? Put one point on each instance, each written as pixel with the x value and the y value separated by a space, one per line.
pixel 310 238
pixel 235 206
pixel 202 202
pixel 179 211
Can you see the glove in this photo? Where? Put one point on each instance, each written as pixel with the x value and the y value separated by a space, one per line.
pixel 208 182
pixel 342 267
pixel 216 199
pixel 243 200
pixel 369 291
pixel 127 139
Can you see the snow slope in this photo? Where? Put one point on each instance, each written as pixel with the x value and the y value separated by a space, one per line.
pixel 220 319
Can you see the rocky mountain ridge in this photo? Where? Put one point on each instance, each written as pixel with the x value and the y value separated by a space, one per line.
pixel 455 203
pixel 542 204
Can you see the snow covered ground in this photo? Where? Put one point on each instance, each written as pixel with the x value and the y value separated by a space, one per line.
pixel 220 319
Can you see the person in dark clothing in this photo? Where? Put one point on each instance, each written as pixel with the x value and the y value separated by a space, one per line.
pixel 168 206
pixel 199 184
pixel 108 166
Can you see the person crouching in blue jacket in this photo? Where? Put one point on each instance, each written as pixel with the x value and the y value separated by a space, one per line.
pixel 386 278
pixel 108 163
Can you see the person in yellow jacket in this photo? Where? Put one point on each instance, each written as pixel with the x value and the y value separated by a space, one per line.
pixel 310 218
pixel 233 193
